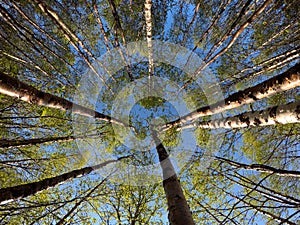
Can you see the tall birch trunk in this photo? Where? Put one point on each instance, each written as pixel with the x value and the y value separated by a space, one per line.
pixel 21 191
pixel 179 211
pixel 16 88
pixel 148 6
pixel 283 114
pixel 4 143
pixel 283 82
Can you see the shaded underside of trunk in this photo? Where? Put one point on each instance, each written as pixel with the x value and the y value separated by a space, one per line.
pixel 13 193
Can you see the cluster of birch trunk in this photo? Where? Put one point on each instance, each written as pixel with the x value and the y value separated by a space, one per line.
pixel 178 209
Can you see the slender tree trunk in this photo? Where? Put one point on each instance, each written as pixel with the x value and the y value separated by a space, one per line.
pixel 235 36
pixel 119 26
pixel 260 209
pixel 37 40
pixel 16 88
pixel 179 211
pixel 266 193
pixel 4 143
pixel 96 12
pixel 283 114
pixel 29 61
pixel 148 6
pixel 55 17
pixel 239 31
pixel 21 191
pixel 273 63
pixel 283 82
pixel 245 180
pixel 190 24
pixel 262 168
pixel 216 18
pixel 232 27
pixel 63 220
pixel 73 39
pixel 18 28
pixel 27 18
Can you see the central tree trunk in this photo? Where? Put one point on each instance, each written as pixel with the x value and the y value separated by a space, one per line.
pixel 179 211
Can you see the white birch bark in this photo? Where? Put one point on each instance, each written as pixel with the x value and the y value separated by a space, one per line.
pixel 13 87
pixel 148 5
pixel 283 114
pixel 288 80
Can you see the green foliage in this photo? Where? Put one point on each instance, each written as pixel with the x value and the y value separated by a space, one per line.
pixel 42 51
pixel 151 102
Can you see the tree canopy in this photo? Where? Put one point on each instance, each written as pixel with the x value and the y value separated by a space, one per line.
pixel 149 112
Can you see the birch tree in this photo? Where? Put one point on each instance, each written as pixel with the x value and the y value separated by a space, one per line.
pixel 283 82
pixel 15 88
pixel 282 114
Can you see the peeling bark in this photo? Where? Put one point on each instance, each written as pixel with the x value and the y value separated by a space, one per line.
pixel 283 82
pixel 283 114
